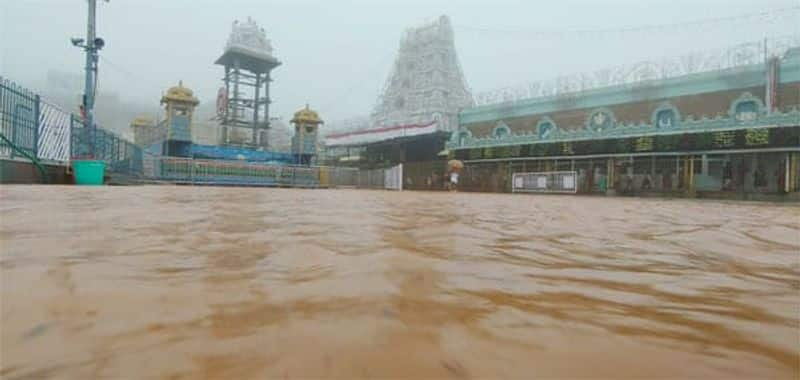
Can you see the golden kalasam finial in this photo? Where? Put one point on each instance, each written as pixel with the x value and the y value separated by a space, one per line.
pixel 306 115
pixel 180 94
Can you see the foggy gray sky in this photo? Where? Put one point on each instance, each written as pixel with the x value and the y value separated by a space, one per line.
pixel 337 54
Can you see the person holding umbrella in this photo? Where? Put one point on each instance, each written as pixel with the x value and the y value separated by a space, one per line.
pixel 454 167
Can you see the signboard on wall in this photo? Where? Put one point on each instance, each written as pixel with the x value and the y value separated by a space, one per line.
pixel 222 102
pixel 545 182
pixel 568 182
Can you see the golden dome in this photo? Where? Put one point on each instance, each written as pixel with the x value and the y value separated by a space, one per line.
pixel 307 116
pixel 180 94
pixel 142 121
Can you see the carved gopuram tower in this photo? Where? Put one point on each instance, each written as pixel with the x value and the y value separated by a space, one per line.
pixel 426 83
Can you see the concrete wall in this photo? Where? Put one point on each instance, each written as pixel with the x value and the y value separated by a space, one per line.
pixel 24 172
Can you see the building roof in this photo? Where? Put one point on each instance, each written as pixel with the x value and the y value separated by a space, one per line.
pixel 248 48
pixel 307 116
pixel 248 60
pixel 142 121
pixel 377 135
pixel 180 94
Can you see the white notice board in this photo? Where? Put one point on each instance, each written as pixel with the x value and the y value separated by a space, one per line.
pixel 568 182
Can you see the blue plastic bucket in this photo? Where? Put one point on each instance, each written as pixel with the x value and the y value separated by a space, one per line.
pixel 89 172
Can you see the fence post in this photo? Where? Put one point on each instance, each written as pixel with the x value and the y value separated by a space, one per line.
pixel 13 130
pixel 36 110
pixel 115 148
pixel 400 187
pixel 72 136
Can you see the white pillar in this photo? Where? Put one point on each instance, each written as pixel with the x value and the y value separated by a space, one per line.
pixel 704 167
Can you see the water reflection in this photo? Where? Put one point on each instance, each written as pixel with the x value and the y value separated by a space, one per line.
pixel 182 282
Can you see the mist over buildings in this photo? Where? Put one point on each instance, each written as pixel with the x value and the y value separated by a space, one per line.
pixel 337 55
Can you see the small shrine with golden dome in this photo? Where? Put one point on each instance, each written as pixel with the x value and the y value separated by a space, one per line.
pixel 144 130
pixel 306 130
pixel 179 104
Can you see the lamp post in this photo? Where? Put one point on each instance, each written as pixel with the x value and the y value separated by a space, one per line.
pixel 91 45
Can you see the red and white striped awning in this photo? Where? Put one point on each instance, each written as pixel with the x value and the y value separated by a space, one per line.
pixel 379 134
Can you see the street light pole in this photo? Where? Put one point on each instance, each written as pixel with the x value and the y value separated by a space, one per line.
pixel 91 73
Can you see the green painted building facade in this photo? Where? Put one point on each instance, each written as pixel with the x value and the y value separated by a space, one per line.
pixel 734 131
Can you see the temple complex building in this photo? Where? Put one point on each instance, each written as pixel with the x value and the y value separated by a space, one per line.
pixel 733 130
pixel 419 105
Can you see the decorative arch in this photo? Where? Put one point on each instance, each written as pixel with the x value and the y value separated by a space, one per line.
pixel 600 119
pixel 545 128
pixel 501 130
pixel 460 136
pixel 665 116
pixel 746 107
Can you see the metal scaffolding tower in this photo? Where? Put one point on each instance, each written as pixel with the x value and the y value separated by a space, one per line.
pixel 244 100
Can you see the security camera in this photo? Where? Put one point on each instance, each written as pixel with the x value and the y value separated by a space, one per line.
pixel 77 41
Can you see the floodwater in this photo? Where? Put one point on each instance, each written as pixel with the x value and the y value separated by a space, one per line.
pixel 231 283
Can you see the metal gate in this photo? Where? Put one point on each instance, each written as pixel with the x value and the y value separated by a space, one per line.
pixel 393 178
pixel 54 132
pixel 389 178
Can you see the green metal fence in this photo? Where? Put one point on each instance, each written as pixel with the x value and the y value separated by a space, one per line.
pixel 45 132
pixel 19 115
pixel 218 172
pixel 121 155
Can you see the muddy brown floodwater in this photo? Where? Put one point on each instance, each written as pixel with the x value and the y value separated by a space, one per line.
pixel 231 283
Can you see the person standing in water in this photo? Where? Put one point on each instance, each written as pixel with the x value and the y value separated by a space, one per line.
pixel 453 167
pixel 454 180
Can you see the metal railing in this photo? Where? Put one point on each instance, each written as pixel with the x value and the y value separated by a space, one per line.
pixel 393 178
pixel 120 155
pixel 427 175
pixel 343 177
pixel 388 178
pixel 19 114
pixel 54 132
pixel 574 85
pixel 217 172
pixel 371 179
pixel 243 173
pixel 46 132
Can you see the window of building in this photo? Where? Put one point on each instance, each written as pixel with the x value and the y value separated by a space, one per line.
pixel 462 137
pixel 545 129
pixel 501 130
pixel 746 111
pixel 665 119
